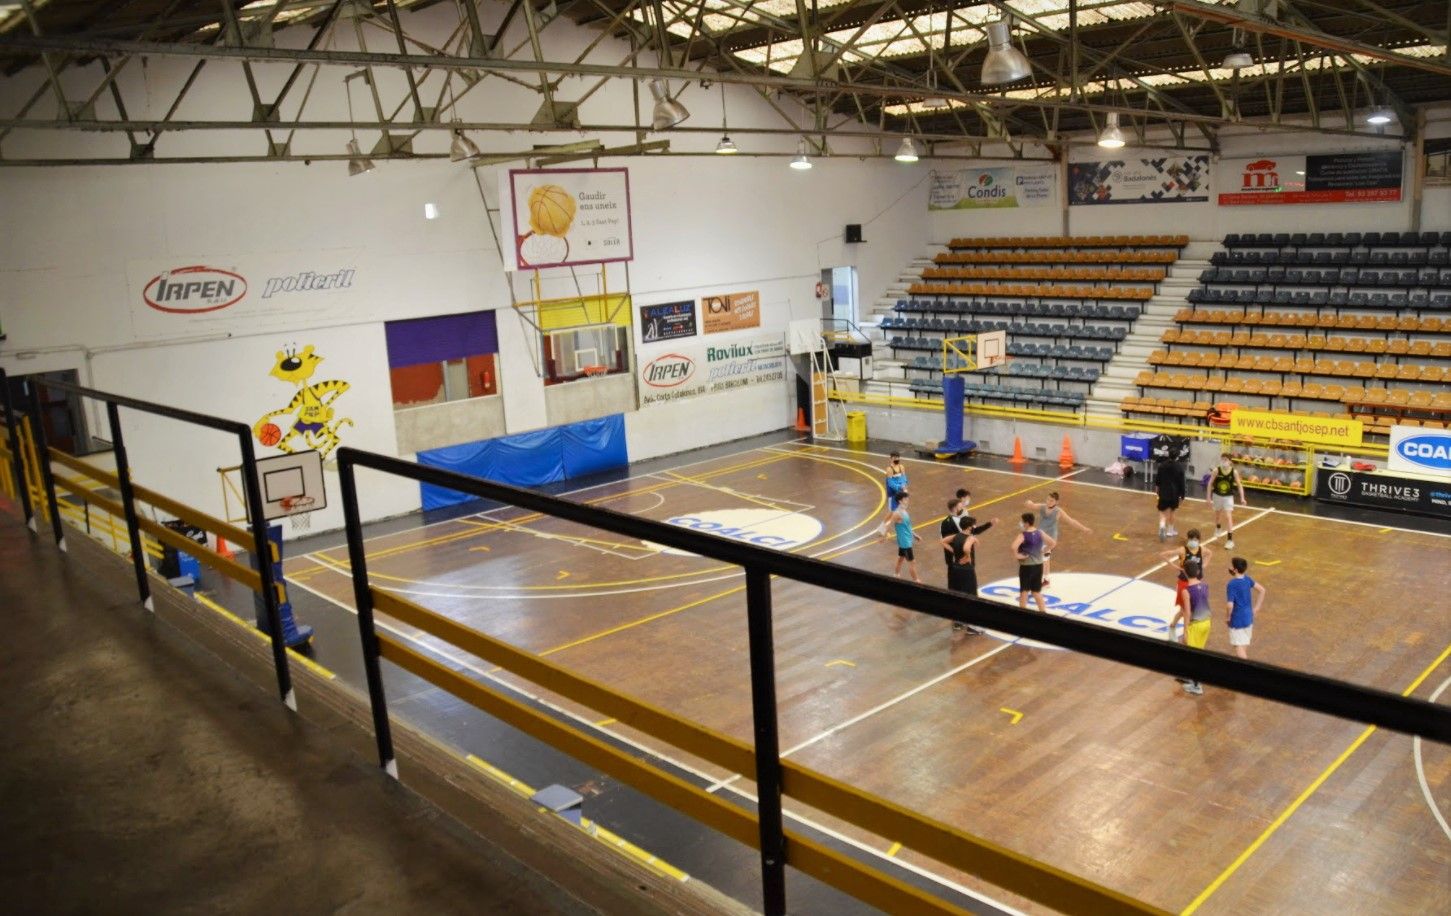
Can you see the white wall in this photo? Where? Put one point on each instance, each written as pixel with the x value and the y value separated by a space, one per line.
pixel 82 240
pixel 1208 220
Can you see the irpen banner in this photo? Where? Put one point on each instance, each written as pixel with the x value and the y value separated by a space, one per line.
pixel 200 294
pixel 1165 180
pixel 994 188
pixel 1342 178
pixel 565 217
pixel 698 369
pixel 1264 424
pixel 667 321
pixel 731 312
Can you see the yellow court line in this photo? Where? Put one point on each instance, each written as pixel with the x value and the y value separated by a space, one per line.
pixel 343 568
pixel 1310 790
pixel 384 553
pixel 568 538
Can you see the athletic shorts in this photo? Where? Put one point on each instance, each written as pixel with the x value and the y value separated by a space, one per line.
pixel 905 553
pixel 1196 635
pixel 1179 585
pixel 1030 577
pixel 962 579
pixel 1168 501
pixel 1240 636
pixel 1222 503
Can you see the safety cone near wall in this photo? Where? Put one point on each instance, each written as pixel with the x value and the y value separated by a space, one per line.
pixel 1065 457
pixel 224 550
pixel 801 424
pixel 1018 459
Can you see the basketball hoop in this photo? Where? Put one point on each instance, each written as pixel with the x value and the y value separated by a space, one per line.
pixel 595 370
pixel 298 509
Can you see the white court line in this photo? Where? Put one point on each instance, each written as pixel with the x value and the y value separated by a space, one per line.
pixel 783 505
pixel 1105 486
pixel 594 486
pixel 641 552
pixel 1421 768
pixel 697 773
pixel 942 677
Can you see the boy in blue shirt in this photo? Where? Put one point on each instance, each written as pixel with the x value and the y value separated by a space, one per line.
pixel 1244 598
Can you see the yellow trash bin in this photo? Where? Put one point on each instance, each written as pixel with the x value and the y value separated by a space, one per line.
pixel 856 426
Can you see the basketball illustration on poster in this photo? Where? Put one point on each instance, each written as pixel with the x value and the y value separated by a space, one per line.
pixel 567 217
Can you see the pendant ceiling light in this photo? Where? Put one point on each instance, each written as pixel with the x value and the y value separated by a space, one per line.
pixel 668 112
pixel 802 162
pixel 1004 63
pixel 725 147
pixel 907 152
pixel 462 148
pixel 1111 137
pixel 358 164
pixel 1379 116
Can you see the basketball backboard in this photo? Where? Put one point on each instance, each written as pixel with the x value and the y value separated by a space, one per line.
pixel 992 349
pixel 291 484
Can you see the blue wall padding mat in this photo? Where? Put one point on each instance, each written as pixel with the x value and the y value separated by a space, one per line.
pixel 530 459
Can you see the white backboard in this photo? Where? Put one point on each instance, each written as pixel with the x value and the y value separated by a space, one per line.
pixel 992 349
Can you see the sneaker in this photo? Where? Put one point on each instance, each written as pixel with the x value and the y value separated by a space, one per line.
pixel 1173 532
pixel 1161 534
pixel 1194 690
pixel 1229 544
pixel 1184 680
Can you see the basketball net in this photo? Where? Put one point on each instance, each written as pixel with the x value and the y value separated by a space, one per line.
pixel 299 511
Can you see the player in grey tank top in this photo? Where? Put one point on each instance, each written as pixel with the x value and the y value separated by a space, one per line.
pixel 1050 512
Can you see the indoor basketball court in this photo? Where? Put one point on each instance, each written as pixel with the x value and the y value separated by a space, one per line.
pixel 1083 764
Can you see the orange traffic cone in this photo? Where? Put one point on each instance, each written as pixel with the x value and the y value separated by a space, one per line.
pixel 223 550
pixel 801 425
pixel 1065 457
pixel 1018 458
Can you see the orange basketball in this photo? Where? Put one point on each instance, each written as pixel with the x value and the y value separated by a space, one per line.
pixel 271 435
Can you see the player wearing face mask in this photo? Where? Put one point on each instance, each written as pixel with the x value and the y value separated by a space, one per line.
pixel 1192 550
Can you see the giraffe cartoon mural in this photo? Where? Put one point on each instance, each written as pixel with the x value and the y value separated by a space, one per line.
pixel 311 408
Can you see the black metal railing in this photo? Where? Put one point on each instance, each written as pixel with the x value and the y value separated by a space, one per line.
pixel 1270 682
pixel 257 522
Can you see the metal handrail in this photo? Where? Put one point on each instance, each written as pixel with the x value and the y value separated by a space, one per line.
pixel 1302 690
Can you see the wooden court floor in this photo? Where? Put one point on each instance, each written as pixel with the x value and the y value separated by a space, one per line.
pixel 1220 803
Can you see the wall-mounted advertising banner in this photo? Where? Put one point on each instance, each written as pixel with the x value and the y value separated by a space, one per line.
pixel 699 369
pixel 1165 180
pixel 994 188
pixel 1420 450
pixel 1343 178
pixel 1384 491
pixel 196 294
pixel 1264 424
pixel 731 312
pixel 667 321
pixel 565 217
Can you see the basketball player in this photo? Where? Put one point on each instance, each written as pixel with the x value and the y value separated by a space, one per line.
pixel 901 522
pixel 1244 597
pixel 1194 611
pixel 1049 512
pixel 1028 548
pixel 896 485
pixel 1220 497
pixel 1170 486
pixel 960 548
pixel 958 521
pixel 1179 559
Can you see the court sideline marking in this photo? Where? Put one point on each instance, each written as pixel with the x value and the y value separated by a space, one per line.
pixel 1105 486
pixel 1304 796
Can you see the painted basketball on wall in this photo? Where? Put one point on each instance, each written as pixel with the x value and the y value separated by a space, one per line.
pixel 314 423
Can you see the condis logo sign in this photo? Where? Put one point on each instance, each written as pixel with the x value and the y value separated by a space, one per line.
pixel 190 290
pixel 669 370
